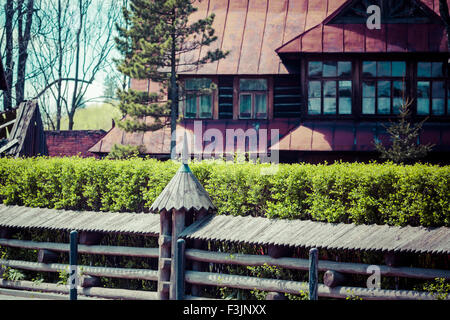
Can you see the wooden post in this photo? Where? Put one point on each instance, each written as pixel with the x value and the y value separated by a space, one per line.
pixel 164 256
pixel 197 265
pixel 178 224
pixel 73 261
pixel 179 269
pixel 313 273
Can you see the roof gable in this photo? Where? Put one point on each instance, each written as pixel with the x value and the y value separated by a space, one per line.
pixel 392 12
pixel 399 32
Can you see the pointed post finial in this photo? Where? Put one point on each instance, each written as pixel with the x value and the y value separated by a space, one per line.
pixel 185 152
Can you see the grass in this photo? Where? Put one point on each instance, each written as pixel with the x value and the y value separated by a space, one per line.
pixel 93 117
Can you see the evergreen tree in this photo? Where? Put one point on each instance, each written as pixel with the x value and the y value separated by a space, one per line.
pixel 404 136
pixel 158 32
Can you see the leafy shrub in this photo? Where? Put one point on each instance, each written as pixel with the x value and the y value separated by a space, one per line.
pixel 341 192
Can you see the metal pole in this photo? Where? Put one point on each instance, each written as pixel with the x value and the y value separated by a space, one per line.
pixel 179 270
pixel 313 273
pixel 73 262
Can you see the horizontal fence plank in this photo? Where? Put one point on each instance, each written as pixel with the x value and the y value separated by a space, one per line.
pixel 123 273
pixel 107 293
pixel 294 287
pixel 24 294
pixel 84 249
pixel 303 264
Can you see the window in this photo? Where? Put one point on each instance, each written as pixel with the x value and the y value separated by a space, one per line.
pixel 329 88
pixel 199 101
pixel 383 87
pixel 253 98
pixel 432 89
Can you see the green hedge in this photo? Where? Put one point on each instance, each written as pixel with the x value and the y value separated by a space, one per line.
pixel 342 192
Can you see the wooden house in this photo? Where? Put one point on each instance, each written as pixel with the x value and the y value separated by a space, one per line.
pixel 317 72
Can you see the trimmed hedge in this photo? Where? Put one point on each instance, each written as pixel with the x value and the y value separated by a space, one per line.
pixel 341 192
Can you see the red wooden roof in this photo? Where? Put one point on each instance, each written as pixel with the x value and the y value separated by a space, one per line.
pixel 158 142
pixel 253 30
pixel 293 136
pixel 351 136
pixel 325 37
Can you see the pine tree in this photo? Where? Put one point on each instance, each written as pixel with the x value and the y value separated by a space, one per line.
pixel 158 32
pixel 404 136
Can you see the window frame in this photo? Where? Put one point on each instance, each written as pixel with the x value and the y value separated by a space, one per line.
pixel 212 96
pixel 252 93
pixel 444 78
pixel 336 79
pixel 377 79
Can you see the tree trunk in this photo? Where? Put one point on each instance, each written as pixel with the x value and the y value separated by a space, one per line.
pixel 77 67
pixel 443 10
pixel 9 65
pixel 24 37
pixel 173 94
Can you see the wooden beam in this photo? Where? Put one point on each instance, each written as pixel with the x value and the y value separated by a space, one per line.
pixel 302 264
pixel 122 273
pixel 294 287
pixel 64 247
pixel 107 293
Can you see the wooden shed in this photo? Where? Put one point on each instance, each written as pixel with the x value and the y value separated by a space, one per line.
pixel 22 132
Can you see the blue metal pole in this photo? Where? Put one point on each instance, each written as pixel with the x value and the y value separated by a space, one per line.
pixel 313 273
pixel 73 262
pixel 179 269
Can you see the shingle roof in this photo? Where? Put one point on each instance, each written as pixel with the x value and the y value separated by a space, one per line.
pixel 66 220
pixel 308 234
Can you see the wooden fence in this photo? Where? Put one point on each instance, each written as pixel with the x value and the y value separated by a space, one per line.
pixel 196 276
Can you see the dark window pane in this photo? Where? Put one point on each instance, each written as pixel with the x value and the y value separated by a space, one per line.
pixel 384 69
pixel 368 106
pixel 260 106
pixel 205 106
pixel 384 89
pixel 423 106
pixel 315 69
pixel 345 97
pixel 369 89
pixel 314 106
pixel 344 68
pixel 329 89
pixel 384 105
pixel 398 68
pixel 437 69
pixel 438 89
pixel 330 68
pixel 253 84
pixel 398 89
pixel 345 88
pixel 314 90
pixel 191 106
pixel 329 106
pixel 423 89
pixel 197 84
pixel 369 69
pixel 397 103
pixel 245 106
pixel 438 107
pixel 424 69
